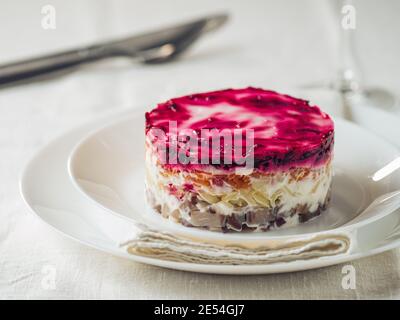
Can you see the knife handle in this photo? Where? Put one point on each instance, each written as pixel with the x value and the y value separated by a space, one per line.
pixel 55 62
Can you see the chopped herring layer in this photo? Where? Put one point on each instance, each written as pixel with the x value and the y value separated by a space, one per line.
pixel 258 201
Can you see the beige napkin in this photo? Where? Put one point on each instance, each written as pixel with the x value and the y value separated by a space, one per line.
pixel 165 246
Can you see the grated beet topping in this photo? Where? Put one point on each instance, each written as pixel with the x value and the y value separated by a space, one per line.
pixel 287 131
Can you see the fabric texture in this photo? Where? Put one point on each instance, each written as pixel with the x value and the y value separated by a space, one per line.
pixel 169 247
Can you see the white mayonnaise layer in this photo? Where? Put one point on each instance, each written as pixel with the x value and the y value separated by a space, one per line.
pixel 279 189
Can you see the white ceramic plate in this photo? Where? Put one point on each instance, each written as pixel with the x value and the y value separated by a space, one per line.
pixel 48 190
pixel 107 166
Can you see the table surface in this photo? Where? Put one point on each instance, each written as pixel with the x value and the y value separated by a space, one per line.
pixel 271 44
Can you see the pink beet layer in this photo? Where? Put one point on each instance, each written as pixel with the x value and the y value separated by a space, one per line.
pixel 288 132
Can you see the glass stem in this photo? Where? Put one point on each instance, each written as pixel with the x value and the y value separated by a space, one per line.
pixel 348 79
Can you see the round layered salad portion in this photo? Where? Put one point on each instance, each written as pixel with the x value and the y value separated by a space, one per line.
pixel 238 160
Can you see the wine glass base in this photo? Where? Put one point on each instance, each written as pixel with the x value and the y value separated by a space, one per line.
pixel 371 96
pixel 381 98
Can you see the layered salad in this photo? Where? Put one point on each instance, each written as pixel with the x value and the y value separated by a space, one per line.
pixel 238 160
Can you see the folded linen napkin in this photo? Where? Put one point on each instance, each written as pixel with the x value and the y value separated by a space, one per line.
pixel 165 246
pixel 343 240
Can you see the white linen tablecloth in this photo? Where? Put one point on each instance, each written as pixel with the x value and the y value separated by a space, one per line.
pixel 267 43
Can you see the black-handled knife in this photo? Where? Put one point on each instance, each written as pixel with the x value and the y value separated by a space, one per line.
pixel 153 47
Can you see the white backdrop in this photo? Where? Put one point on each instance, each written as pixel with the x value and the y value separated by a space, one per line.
pixel 271 44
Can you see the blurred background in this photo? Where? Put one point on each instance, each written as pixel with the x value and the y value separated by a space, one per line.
pixel 268 43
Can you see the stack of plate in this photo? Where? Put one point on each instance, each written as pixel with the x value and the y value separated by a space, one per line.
pixel 89 185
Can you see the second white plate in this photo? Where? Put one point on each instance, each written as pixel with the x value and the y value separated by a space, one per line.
pixel 108 167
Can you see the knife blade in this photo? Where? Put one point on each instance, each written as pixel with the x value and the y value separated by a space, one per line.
pixel 152 47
